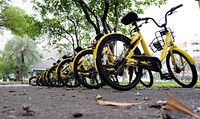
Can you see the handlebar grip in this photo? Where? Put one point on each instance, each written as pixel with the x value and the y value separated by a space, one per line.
pixel 174 8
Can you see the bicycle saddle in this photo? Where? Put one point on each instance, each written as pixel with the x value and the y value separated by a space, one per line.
pixel 129 18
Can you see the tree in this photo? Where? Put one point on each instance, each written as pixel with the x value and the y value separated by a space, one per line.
pixel 23 52
pixel 17 21
pixel 82 20
pixel 13 18
pixel 63 29
pixel 6 66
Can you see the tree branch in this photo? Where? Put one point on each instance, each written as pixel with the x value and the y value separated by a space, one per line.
pixel 85 10
pixel 75 30
pixel 116 16
pixel 105 14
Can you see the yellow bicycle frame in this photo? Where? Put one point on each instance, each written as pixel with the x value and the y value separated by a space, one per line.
pixel 138 39
pixel 97 45
pixel 72 64
pixel 65 69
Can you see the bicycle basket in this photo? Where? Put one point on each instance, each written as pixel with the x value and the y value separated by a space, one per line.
pixel 158 42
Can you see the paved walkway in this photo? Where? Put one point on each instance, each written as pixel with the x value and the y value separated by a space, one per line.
pixel 34 102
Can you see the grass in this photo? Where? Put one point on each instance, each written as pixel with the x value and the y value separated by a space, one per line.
pixel 169 84
pixel 13 82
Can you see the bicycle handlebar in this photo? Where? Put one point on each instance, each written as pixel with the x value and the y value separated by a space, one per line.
pixel 166 14
pixel 174 8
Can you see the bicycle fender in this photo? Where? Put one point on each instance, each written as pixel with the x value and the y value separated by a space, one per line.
pixel 185 54
pixel 99 41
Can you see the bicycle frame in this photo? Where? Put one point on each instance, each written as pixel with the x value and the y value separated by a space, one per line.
pixel 80 62
pixel 137 39
pixel 66 69
pixel 97 45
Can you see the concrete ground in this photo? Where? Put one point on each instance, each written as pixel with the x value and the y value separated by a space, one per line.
pixel 35 102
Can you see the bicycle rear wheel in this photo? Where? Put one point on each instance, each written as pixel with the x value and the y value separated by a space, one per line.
pixel 185 73
pixel 111 63
pixel 85 70
pixel 65 73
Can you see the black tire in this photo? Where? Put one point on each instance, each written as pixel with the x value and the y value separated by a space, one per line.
pixel 66 75
pixel 88 76
pixel 45 79
pixel 52 77
pixel 185 76
pixel 147 78
pixel 116 74
pixel 32 81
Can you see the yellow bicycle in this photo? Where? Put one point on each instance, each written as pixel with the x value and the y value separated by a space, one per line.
pixel 119 57
pixel 85 70
pixel 64 73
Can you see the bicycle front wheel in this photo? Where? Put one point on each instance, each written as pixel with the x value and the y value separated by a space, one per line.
pixel 85 70
pixel 183 72
pixel 113 67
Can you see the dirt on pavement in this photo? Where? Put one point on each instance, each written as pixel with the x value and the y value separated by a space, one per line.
pixel 35 102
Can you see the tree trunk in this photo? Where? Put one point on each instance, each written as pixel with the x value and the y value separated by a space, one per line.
pixel 22 67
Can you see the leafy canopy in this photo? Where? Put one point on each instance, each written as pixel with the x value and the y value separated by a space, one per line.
pixel 17 21
pixel 78 21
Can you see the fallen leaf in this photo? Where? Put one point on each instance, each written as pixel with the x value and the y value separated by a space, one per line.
pixel 176 105
pixel 100 101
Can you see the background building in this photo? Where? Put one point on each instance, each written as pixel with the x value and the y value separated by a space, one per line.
pixel 191 46
pixel 49 57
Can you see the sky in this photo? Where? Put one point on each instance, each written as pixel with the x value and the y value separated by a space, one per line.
pixel 185 23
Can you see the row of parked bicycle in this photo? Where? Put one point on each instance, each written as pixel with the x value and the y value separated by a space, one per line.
pixel 118 61
pixel 66 73
pixel 73 72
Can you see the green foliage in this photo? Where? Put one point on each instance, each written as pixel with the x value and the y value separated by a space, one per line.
pixel 62 23
pixel 78 21
pixel 6 66
pixel 17 45
pixel 3 4
pixel 22 51
pixel 16 20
